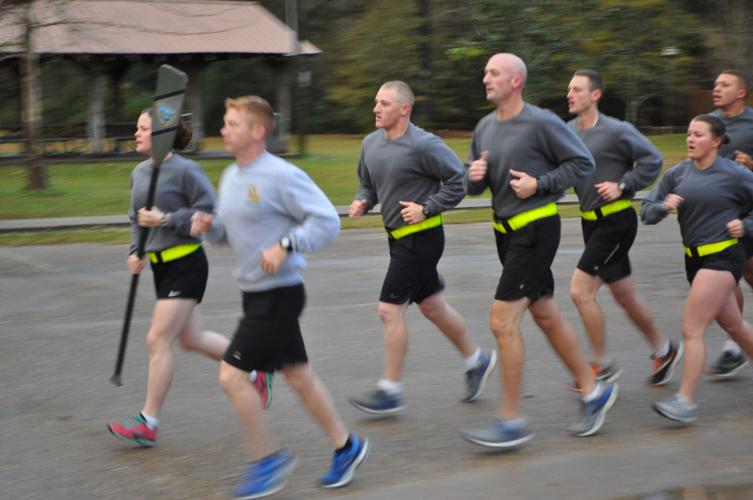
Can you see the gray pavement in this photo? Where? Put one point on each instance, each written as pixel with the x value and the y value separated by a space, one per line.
pixel 61 310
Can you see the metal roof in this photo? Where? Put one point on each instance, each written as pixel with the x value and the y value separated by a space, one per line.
pixel 134 27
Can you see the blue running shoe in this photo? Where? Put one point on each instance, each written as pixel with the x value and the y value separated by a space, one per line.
pixel 475 378
pixel 378 403
pixel 500 434
pixel 594 412
pixel 266 476
pixel 345 463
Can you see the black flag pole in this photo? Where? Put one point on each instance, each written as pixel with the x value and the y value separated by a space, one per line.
pixel 166 111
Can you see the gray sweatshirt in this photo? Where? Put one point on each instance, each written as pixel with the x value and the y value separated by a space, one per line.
pixel 182 189
pixel 621 153
pixel 740 132
pixel 263 201
pixel 534 141
pixel 416 167
pixel 712 198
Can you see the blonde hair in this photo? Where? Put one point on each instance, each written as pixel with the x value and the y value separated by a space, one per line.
pixel 402 91
pixel 259 110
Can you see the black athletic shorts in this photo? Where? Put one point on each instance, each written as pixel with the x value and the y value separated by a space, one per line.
pixel 412 274
pixel 608 241
pixel 526 256
pixel 747 243
pixel 730 259
pixel 269 335
pixel 184 278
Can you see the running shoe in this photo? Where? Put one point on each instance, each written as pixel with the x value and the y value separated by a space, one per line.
pixel 499 435
pixel 677 409
pixel 664 366
pixel 607 372
pixel 266 476
pixel 263 383
pixel 345 463
pixel 475 378
pixel 134 430
pixel 727 365
pixel 594 412
pixel 378 403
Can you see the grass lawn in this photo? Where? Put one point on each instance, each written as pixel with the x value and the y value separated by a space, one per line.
pixel 89 189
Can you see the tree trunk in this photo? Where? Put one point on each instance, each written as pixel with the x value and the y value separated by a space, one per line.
pixel 31 97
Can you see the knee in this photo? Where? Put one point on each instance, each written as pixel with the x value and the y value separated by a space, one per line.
pixel 156 342
pixel 502 328
pixel 432 308
pixel 187 343
pixel 298 377
pixel 231 377
pixel 389 313
pixel 580 295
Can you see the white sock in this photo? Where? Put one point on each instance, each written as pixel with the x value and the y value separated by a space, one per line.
pixel 390 387
pixel 731 346
pixel 151 422
pixel 593 394
pixel 472 361
pixel 663 351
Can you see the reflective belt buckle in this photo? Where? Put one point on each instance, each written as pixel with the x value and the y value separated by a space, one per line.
pixel 425 224
pixel 607 209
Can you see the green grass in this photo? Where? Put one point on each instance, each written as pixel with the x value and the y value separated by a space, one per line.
pixel 90 189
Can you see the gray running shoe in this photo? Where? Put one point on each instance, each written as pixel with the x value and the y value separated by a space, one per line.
pixel 664 367
pixel 676 409
pixel 475 378
pixel 594 412
pixel 727 365
pixel 499 435
pixel 378 403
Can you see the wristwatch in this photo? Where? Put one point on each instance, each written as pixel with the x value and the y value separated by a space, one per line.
pixel 427 211
pixel 622 186
pixel 286 243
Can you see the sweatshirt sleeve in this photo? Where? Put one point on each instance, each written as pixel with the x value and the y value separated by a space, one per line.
pixel 318 221
pixel 134 225
pixel 573 159
pixel 652 207
pixel 200 196
pixel 440 162
pixel 474 188
pixel 746 193
pixel 647 160
pixel 366 190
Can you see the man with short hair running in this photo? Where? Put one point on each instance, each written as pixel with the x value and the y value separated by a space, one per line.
pixel 625 162
pixel 527 157
pixel 415 177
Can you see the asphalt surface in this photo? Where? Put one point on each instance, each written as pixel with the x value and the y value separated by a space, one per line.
pixel 61 310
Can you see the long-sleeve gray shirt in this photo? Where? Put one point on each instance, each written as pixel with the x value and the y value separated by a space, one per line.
pixel 740 132
pixel 416 167
pixel 182 189
pixel 263 201
pixel 712 198
pixel 622 154
pixel 536 142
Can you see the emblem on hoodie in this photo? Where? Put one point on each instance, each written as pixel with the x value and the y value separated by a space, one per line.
pixel 253 195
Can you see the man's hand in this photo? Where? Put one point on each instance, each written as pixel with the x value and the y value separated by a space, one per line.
pixel 272 258
pixel 356 209
pixel 412 212
pixel 609 191
pixel 744 159
pixel 135 265
pixel 150 218
pixel 200 223
pixel 735 228
pixel 524 185
pixel 478 168
pixel 673 201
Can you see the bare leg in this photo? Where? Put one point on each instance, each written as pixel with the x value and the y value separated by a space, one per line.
pixel 168 320
pixel 247 405
pixel 395 339
pixel 505 325
pixel 624 294
pixel 710 292
pixel 449 322
pixel 583 289
pixel 193 338
pixel 318 402
pixel 563 339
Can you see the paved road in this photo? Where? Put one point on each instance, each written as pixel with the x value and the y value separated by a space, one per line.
pixel 61 309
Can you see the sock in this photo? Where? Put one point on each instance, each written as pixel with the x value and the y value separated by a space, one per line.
pixel 682 398
pixel 594 394
pixel 151 422
pixel 346 446
pixel 663 351
pixel 253 376
pixel 390 387
pixel 472 361
pixel 732 347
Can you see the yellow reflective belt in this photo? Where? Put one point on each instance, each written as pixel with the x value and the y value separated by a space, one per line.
pixel 521 220
pixel 173 253
pixel 608 209
pixel 425 224
pixel 709 248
